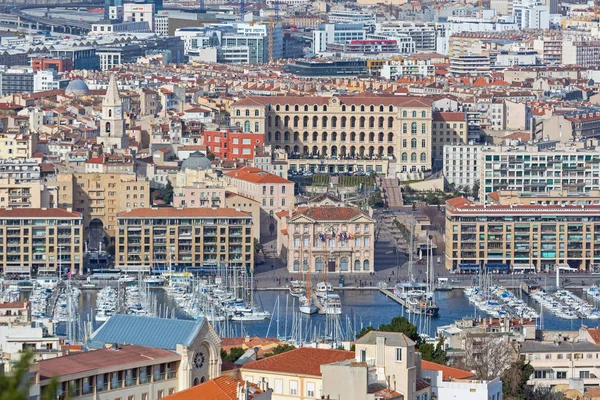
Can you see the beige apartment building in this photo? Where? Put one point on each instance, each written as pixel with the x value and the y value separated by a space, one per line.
pixel 26 194
pixel 99 197
pixel 343 133
pixel 185 237
pixel 522 237
pixel 447 128
pixel 40 240
pixel 273 192
pixel 327 238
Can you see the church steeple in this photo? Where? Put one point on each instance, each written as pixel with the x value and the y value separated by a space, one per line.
pixel 112 125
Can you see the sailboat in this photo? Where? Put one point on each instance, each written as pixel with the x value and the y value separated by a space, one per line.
pixel 306 304
pixel 251 313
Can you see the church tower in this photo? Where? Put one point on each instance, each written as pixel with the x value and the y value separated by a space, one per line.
pixel 112 124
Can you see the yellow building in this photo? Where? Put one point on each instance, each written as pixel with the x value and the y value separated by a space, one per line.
pixel 189 237
pixel 17 145
pixel 343 133
pixel 521 237
pixel 40 240
pixel 99 197
pixel 448 128
pixel 25 194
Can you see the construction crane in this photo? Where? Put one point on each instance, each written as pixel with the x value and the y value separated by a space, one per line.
pixel 242 9
pixel 273 20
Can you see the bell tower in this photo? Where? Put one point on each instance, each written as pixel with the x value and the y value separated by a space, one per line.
pixel 112 124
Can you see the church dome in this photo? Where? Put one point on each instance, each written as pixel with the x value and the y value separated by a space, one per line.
pixel 77 88
pixel 196 160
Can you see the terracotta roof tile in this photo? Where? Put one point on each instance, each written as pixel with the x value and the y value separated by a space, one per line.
pixel 182 212
pixel 37 213
pixel 448 373
pixel 256 175
pixel 221 388
pixel 302 361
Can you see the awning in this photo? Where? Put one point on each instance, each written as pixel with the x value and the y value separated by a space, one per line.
pixel 469 267
pixel 523 267
pixel 499 267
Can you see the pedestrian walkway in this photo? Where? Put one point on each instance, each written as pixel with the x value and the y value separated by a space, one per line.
pixel 392 195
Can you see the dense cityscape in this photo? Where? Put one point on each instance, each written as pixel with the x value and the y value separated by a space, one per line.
pixel 299 199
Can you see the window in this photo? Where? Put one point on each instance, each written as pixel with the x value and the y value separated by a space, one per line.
pixel 584 374
pixel 132 397
pixel 310 389
pixel 293 388
pixel 144 396
pixel 278 386
pixel 160 394
pixel 398 354
pixel 561 374
pixel 363 355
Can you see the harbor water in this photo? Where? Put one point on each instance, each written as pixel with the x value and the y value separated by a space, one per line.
pixel 360 308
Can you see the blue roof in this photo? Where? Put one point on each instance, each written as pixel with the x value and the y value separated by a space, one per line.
pixel 159 333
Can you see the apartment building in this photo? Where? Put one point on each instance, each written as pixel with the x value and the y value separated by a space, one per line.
pixel 185 237
pixel 336 33
pixel 549 49
pixel 344 133
pixel 528 169
pixel 20 170
pixel 16 80
pixel 531 14
pixel 460 165
pixel 447 128
pixel 583 53
pixel 327 238
pixel 273 192
pixel 234 145
pixel 521 236
pixel 57 64
pixel 470 65
pixel 408 67
pixel 40 240
pixel 17 146
pixel 423 34
pixel 26 195
pixel 99 197
pixel 556 363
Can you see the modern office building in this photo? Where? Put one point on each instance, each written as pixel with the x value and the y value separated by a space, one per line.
pixel 388 135
pixel 460 164
pixel 423 34
pixel 581 52
pixel 16 80
pixel 336 33
pixel 112 56
pixel 40 240
pixel 327 68
pixel 521 236
pixel 327 238
pixel 408 67
pixel 184 237
pixel 531 14
pixel 83 57
pixel 48 80
pixel 136 12
pixel 527 169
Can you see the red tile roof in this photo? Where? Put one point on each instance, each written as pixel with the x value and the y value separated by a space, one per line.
pixel 102 359
pixel 221 388
pixel 167 212
pixel 594 334
pixel 449 116
pixel 302 361
pixel 359 99
pixel 256 175
pixel 37 213
pixel 448 373
pixel 14 304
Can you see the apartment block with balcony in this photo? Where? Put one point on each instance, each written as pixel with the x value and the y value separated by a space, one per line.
pixel 521 237
pixel 25 195
pixel 40 240
pixel 190 237
pixel 530 170
pixel 21 170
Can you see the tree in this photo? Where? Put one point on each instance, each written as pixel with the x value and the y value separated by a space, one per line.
pixel 432 353
pixel 475 191
pixel 280 348
pixel 167 193
pixel 486 355
pixel 15 385
pixel 398 324
pixel 210 156
pixel 234 354
pixel 542 393
pixel 514 380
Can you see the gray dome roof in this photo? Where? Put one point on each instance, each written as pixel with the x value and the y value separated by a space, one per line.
pixel 77 87
pixel 196 160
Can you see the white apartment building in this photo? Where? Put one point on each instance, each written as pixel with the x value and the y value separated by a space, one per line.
pixel 395 69
pixel 162 23
pixel 115 13
pixel 136 12
pixel 48 80
pixel 531 14
pixel 469 24
pixel 549 49
pixel 405 43
pixel 423 34
pixel 351 17
pixel 470 65
pixel 336 33
pixel 460 164
pixel 583 53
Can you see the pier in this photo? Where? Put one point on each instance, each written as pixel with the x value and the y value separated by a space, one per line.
pixel 390 294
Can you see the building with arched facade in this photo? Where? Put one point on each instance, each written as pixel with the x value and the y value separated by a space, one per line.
pixel 389 135
pixel 327 238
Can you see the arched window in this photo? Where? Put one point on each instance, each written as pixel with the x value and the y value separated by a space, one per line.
pixel 381 122
pixel 343 123
pixel 413 157
pixel 296 121
pixel 362 122
pixel 333 122
pixel 306 108
pixel 315 121
pixel 366 265
pixel 352 122
pixel 423 157
pixel 324 122
pixel 305 122
pixel 413 128
pixel 319 264
pixel 277 107
pixel 325 108
pixel 380 108
pixel 423 128
pixel 247 113
pixel 404 143
pixel 247 126
pixel 256 113
pixel 414 114
pixel 404 128
pixel 107 126
pixel 390 137
pixel 423 114
pixel 353 108
pixel 371 122
pixel 296 265
pixel 237 113
pixel 390 122
pixel 287 107
pixel 404 114
pixel 305 265
pixel 391 108
pixel 413 143
pixel 357 265
pixel 344 108
pixel 109 113
pixel 344 264
pixel 296 107
pixel 316 108
pixel 362 108
pixel 404 157
pixel 423 143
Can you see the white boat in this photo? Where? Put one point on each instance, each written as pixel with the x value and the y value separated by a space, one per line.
pixel 127 279
pixel 253 315
pixel 323 289
pixel 296 288
pixel 47 282
pixel 307 306
pixel 332 304
pixel 154 280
